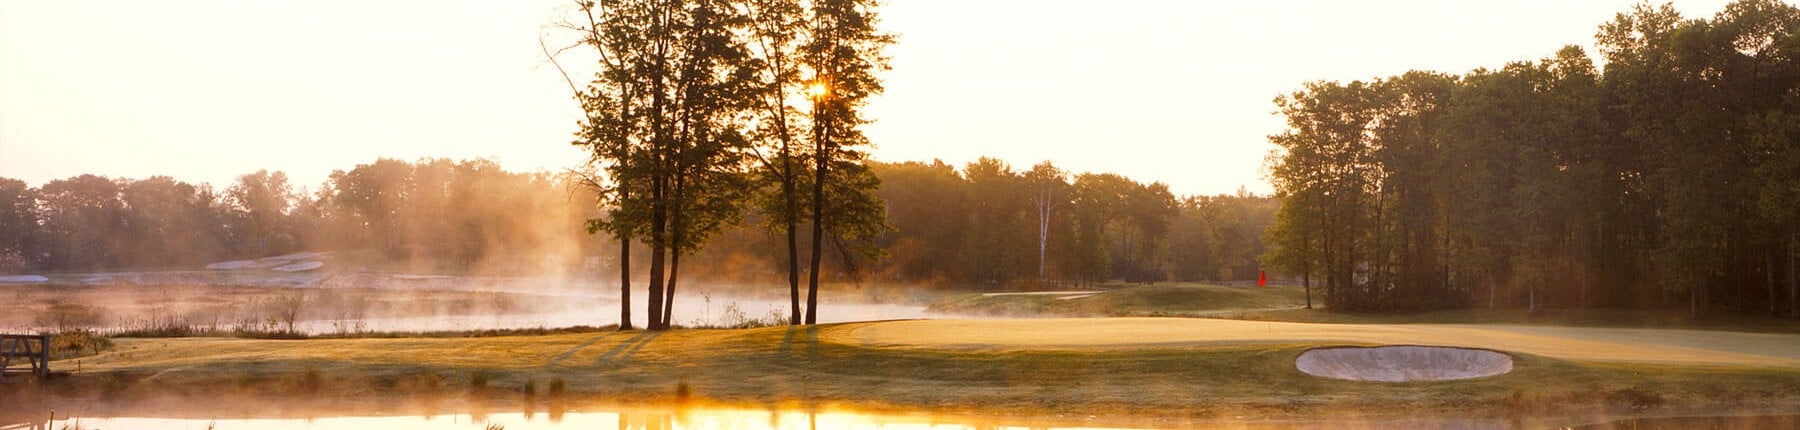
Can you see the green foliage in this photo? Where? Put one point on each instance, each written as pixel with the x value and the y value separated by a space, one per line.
pixel 78 343
pixel 429 214
pixel 1550 182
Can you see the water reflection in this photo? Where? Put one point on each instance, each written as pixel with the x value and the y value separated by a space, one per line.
pixel 714 419
pixel 728 419
pixel 650 420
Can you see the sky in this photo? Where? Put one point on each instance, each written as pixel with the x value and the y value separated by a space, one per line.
pixel 1176 91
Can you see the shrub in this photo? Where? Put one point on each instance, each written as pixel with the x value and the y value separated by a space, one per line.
pixel 478 380
pixel 557 386
pixel 78 343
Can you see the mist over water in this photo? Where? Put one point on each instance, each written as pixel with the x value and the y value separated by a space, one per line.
pixel 319 302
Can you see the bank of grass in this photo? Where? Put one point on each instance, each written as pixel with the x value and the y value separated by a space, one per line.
pixel 783 366
pixel 1287 303
pixel 1166 299
pixel 1621 318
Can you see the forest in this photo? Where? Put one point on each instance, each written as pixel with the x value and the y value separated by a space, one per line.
pixel 1666 177
pixel 985 225
pixel 434 214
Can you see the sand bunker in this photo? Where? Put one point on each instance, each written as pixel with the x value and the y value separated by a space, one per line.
pixel 296 262
pixel 23 279
pixel 299 267
pixel 232 265
pixel 1403 363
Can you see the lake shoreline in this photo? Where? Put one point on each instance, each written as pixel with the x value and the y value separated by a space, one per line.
pixel 816 368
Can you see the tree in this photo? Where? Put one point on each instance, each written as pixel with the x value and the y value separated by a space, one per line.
pixel 1049 194
pixel 843 52
pixel 18 226
pixel 81 216
pixel 664 117
pixel 260 202
pixel 995 241
pixel 164 214
pixel 776 31
pixel 1548 182
pixel 925 203
pixel 1326 154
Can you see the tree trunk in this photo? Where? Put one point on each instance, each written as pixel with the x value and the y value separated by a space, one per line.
pixel 658 253
pixel 1531 307
pixel 1043 230
pixel 793 225
pixel 675 239
pixel 1305 270
pixel 1793 276
pixel 624 275
pixel 820 159
pixel 1491 293
pixel 1769 273
pixel 668 317
pixel 1694 302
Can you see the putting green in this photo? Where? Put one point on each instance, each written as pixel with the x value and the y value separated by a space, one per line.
pixel 1574 343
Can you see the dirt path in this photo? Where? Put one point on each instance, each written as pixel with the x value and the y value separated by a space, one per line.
pixel 1575 343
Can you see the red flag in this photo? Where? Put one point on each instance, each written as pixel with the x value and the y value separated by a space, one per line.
pixel 1262 278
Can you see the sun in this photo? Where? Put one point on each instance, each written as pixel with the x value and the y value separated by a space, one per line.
pixel 817 90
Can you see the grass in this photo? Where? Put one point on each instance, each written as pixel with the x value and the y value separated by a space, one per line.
pixel 1287 303
pixel 1171 299
pixel 806 366
pixel 1624 318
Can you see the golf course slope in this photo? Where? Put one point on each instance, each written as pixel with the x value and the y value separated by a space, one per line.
pixel 1671 346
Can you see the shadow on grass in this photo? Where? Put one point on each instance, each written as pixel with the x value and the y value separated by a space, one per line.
pixel 623 351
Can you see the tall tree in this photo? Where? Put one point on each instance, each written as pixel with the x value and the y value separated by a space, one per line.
pixel 776 30
pixel 843 53
pixel 665 119
pixel 1049 193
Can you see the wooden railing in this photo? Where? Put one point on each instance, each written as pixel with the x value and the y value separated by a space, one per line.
pixel 24 354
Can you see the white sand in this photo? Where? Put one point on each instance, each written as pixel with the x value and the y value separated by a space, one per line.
pixel 272 263
pixel 1403 363
pixel 299 267
pixel 232 265
pixel 1043 293
pixel 23 279
pixel 1575 343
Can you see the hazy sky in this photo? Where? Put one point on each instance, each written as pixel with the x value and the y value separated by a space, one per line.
pixel 1175 91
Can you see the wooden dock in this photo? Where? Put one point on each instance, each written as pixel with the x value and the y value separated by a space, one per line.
pixel 24 355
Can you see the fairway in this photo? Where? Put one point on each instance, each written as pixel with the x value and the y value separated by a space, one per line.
pixel 1572 343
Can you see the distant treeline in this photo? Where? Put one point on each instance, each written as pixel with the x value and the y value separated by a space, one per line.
pixel 990 224
pixel 1669 177
pixel 434 212
pixel 987 224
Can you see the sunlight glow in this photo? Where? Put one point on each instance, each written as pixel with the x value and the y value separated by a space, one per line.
pixel 817 90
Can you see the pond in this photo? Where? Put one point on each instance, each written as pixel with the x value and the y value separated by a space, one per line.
pixel 747 419
pixel 345 303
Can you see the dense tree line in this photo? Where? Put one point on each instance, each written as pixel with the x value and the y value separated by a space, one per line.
pixel 986 225
pixel 990 224
pixel 1669 176
pixel 432 214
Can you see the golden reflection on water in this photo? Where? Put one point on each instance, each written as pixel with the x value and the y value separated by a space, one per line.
pixel 749 419
pixel 695 419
